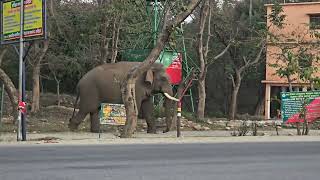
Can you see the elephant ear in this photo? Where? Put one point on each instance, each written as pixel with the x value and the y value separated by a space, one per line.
pixel 149 76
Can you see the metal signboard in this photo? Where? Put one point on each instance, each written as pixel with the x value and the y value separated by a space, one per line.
pixel 34 25
pixel 292 105
pixel 112 114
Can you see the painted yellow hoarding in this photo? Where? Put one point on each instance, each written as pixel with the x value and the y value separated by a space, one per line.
pixel 112 114
pixel 33 19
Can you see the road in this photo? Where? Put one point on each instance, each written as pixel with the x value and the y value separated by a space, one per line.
pixel 217 161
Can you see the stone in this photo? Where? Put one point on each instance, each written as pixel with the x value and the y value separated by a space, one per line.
pixel 228 128
pixel 144 125
pixel 290 134
pixel 197 127
pixel 210 122
pixel 206 128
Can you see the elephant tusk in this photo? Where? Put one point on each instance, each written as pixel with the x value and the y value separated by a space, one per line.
pixel 170 97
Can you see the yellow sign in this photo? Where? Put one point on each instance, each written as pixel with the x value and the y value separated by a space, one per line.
pixel 33 19
pixel 112 114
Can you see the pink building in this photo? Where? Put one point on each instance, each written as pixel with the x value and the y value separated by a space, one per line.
pixel 301 20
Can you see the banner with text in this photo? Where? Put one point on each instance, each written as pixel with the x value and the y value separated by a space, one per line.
pixel 34 20
pixel 112 114
pixel 292 106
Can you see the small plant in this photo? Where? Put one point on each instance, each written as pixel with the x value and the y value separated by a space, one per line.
pixel 242 130
pixel 254 128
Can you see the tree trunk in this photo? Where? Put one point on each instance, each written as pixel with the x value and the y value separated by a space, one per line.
pixel 233 104
pixel 298 124
pixel 39 56
pixel 128 88
pixel 9 87
pixel 128 94
pixel 203 53
pixel 259 107
pixel 202 97
pixel 290 84
pixel 298 128
pixel 11 91
pixel 115 38
pixel 58 93
pixel 234 96
pixel 35 107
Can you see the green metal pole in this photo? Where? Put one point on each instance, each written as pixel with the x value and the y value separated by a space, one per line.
pixel 186 66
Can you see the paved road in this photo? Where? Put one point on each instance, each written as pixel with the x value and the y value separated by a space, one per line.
pixel 230 161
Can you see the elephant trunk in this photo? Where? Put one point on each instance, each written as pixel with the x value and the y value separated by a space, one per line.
pixel 169 108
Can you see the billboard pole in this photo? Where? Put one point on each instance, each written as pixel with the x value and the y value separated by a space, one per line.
pixel 20 116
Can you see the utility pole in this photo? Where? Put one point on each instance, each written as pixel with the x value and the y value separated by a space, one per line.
pixel 21 134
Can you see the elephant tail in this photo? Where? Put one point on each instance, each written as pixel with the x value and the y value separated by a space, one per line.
pixel 75 102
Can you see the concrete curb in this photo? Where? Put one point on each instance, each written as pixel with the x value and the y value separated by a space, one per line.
pixel 112 140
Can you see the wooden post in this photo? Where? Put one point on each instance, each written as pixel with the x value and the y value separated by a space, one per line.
pixel 267 102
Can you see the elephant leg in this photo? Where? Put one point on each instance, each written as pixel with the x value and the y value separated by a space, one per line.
pixel 147 109
pixel 95 123
pixel 76 120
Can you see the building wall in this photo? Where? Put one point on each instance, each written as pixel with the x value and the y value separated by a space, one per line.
pixel 296 29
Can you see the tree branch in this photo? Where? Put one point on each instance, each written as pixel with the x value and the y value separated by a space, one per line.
pixel 232 80
pixel 219 55
pixel 128 89
pixel 255 61
pixel 52 13
pixel 2 54
pixel 206 50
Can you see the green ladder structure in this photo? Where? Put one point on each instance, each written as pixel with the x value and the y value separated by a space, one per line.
pixel 154 10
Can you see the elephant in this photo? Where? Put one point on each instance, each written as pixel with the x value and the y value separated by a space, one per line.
pixel 103 85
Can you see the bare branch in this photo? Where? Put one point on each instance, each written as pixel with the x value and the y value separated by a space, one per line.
pixel 249 63
pixel 245 60
pixel 52 13
pixel 232 80
pixel 206 50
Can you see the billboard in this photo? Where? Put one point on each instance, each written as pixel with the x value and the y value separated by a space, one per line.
pixel 112 114
pixel 34 20
pixel 172 62
pixel 292 105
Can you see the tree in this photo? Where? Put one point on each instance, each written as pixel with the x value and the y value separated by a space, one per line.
pixel 128 88
pixel 38 54
pixel 203 50
pixel 248 48
pixel 8 84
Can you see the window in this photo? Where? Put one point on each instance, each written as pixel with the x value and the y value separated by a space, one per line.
pixel 314 21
